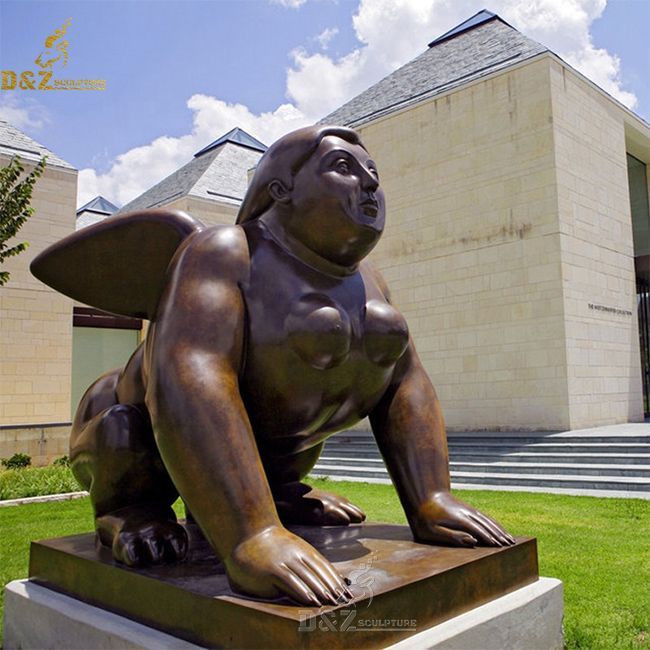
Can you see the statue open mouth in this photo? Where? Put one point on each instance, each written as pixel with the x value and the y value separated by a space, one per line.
pixel 370 208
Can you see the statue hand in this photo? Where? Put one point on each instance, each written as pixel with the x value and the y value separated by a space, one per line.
pixel 443 519
pixel 275 562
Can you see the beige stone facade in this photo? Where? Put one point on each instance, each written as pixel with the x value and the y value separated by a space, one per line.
pixel 509 248
pixel 211 213
pixel 35 321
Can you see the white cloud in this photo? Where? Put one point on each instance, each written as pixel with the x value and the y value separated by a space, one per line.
pixel 289 4
pixel 317 80
pixel 326 36
pixel 22 113
pixel 138 169
pixel 391 32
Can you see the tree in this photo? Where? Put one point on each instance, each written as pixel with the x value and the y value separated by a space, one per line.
pixel 15 209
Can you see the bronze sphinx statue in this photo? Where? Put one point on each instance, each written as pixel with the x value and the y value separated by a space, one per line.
pixel 266 337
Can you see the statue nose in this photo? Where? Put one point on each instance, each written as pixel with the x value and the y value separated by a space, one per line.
pixel 370 181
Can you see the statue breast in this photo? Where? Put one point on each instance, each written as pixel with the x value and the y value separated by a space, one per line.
pixel 321 333
pixel 386 333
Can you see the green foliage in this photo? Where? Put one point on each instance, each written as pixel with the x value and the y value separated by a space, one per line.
pixel 36 482
pixel 15 209
pixel 63 461
pixel 17 461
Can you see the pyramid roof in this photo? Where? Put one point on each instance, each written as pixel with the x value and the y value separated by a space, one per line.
pixel 100 205
pixel 217 172
pixel 479 46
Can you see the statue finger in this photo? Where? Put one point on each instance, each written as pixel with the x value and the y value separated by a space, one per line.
pixel 494 528
pixel 154 549
pixel 337 515
pixel 477 529
pixel 313 580
pixel 334 581
pixel 128 550
pixel 356 514
pixel 291 585
pixel 445 535
pixel 175 546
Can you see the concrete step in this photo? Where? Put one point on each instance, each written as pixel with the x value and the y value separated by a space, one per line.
pixel 500 465
pixel 615 460
pixel 493 447
pixel 516 440
pixel 537 457
pixel 572 469
pixel 618 483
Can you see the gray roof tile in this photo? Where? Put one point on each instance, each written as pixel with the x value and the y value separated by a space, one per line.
pixel 98 204
pixel 219 174
pixel 238 136
pixel 15 143
pixel 471 54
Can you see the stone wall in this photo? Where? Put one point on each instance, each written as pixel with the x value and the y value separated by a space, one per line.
pixel 35 321
pixel 472 247
pixel 598 278
pixel 43 443
pixel 211 213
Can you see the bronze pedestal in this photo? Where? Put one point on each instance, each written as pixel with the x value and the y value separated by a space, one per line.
pixel 400 588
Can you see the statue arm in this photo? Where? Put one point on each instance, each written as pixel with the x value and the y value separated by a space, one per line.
pixel 409 428
pixel 203 431
pixel 200 423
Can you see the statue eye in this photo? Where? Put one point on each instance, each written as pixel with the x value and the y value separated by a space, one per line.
pixel 342 166
pixel 374 172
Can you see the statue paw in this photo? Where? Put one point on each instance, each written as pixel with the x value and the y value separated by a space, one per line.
pixel 140 538
pixel 298 503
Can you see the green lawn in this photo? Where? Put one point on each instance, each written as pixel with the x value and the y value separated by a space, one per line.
pixel 599 548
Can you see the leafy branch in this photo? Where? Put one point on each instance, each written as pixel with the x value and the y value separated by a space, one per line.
pixel 15 208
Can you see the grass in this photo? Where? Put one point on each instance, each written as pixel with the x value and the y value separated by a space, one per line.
pixel 36 481
pixel 599 548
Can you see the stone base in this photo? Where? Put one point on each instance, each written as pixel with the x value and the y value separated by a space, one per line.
pixel 37 617
pixel 400 588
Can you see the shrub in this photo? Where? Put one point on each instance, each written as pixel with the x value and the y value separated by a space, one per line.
pixel 64 461
pixel 17 461
pixel 36 481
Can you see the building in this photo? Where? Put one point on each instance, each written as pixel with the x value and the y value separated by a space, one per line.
pixel 94 211
pixel 51 349
pixel 511 238
pixel 35 321
pixel 517 240
pixel 517 212
pixel 212 185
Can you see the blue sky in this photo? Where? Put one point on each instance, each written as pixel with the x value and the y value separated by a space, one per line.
pixel 179 74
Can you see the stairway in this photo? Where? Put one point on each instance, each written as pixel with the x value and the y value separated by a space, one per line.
pixel 606 461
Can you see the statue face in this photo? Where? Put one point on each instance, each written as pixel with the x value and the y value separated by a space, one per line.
pixel 337 206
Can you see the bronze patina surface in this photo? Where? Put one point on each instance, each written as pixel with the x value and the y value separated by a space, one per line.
pixel 399 587
pixel 266 337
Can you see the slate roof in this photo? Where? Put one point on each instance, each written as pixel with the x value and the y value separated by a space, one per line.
pixel 94 211
pixel 98 204
pixel 237 136
pixel 484 45
pixel 15 143
pixel 218 172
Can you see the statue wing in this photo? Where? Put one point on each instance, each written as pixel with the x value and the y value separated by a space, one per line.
pixel 119 264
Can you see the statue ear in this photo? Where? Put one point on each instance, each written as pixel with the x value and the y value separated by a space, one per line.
pixel 279 192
